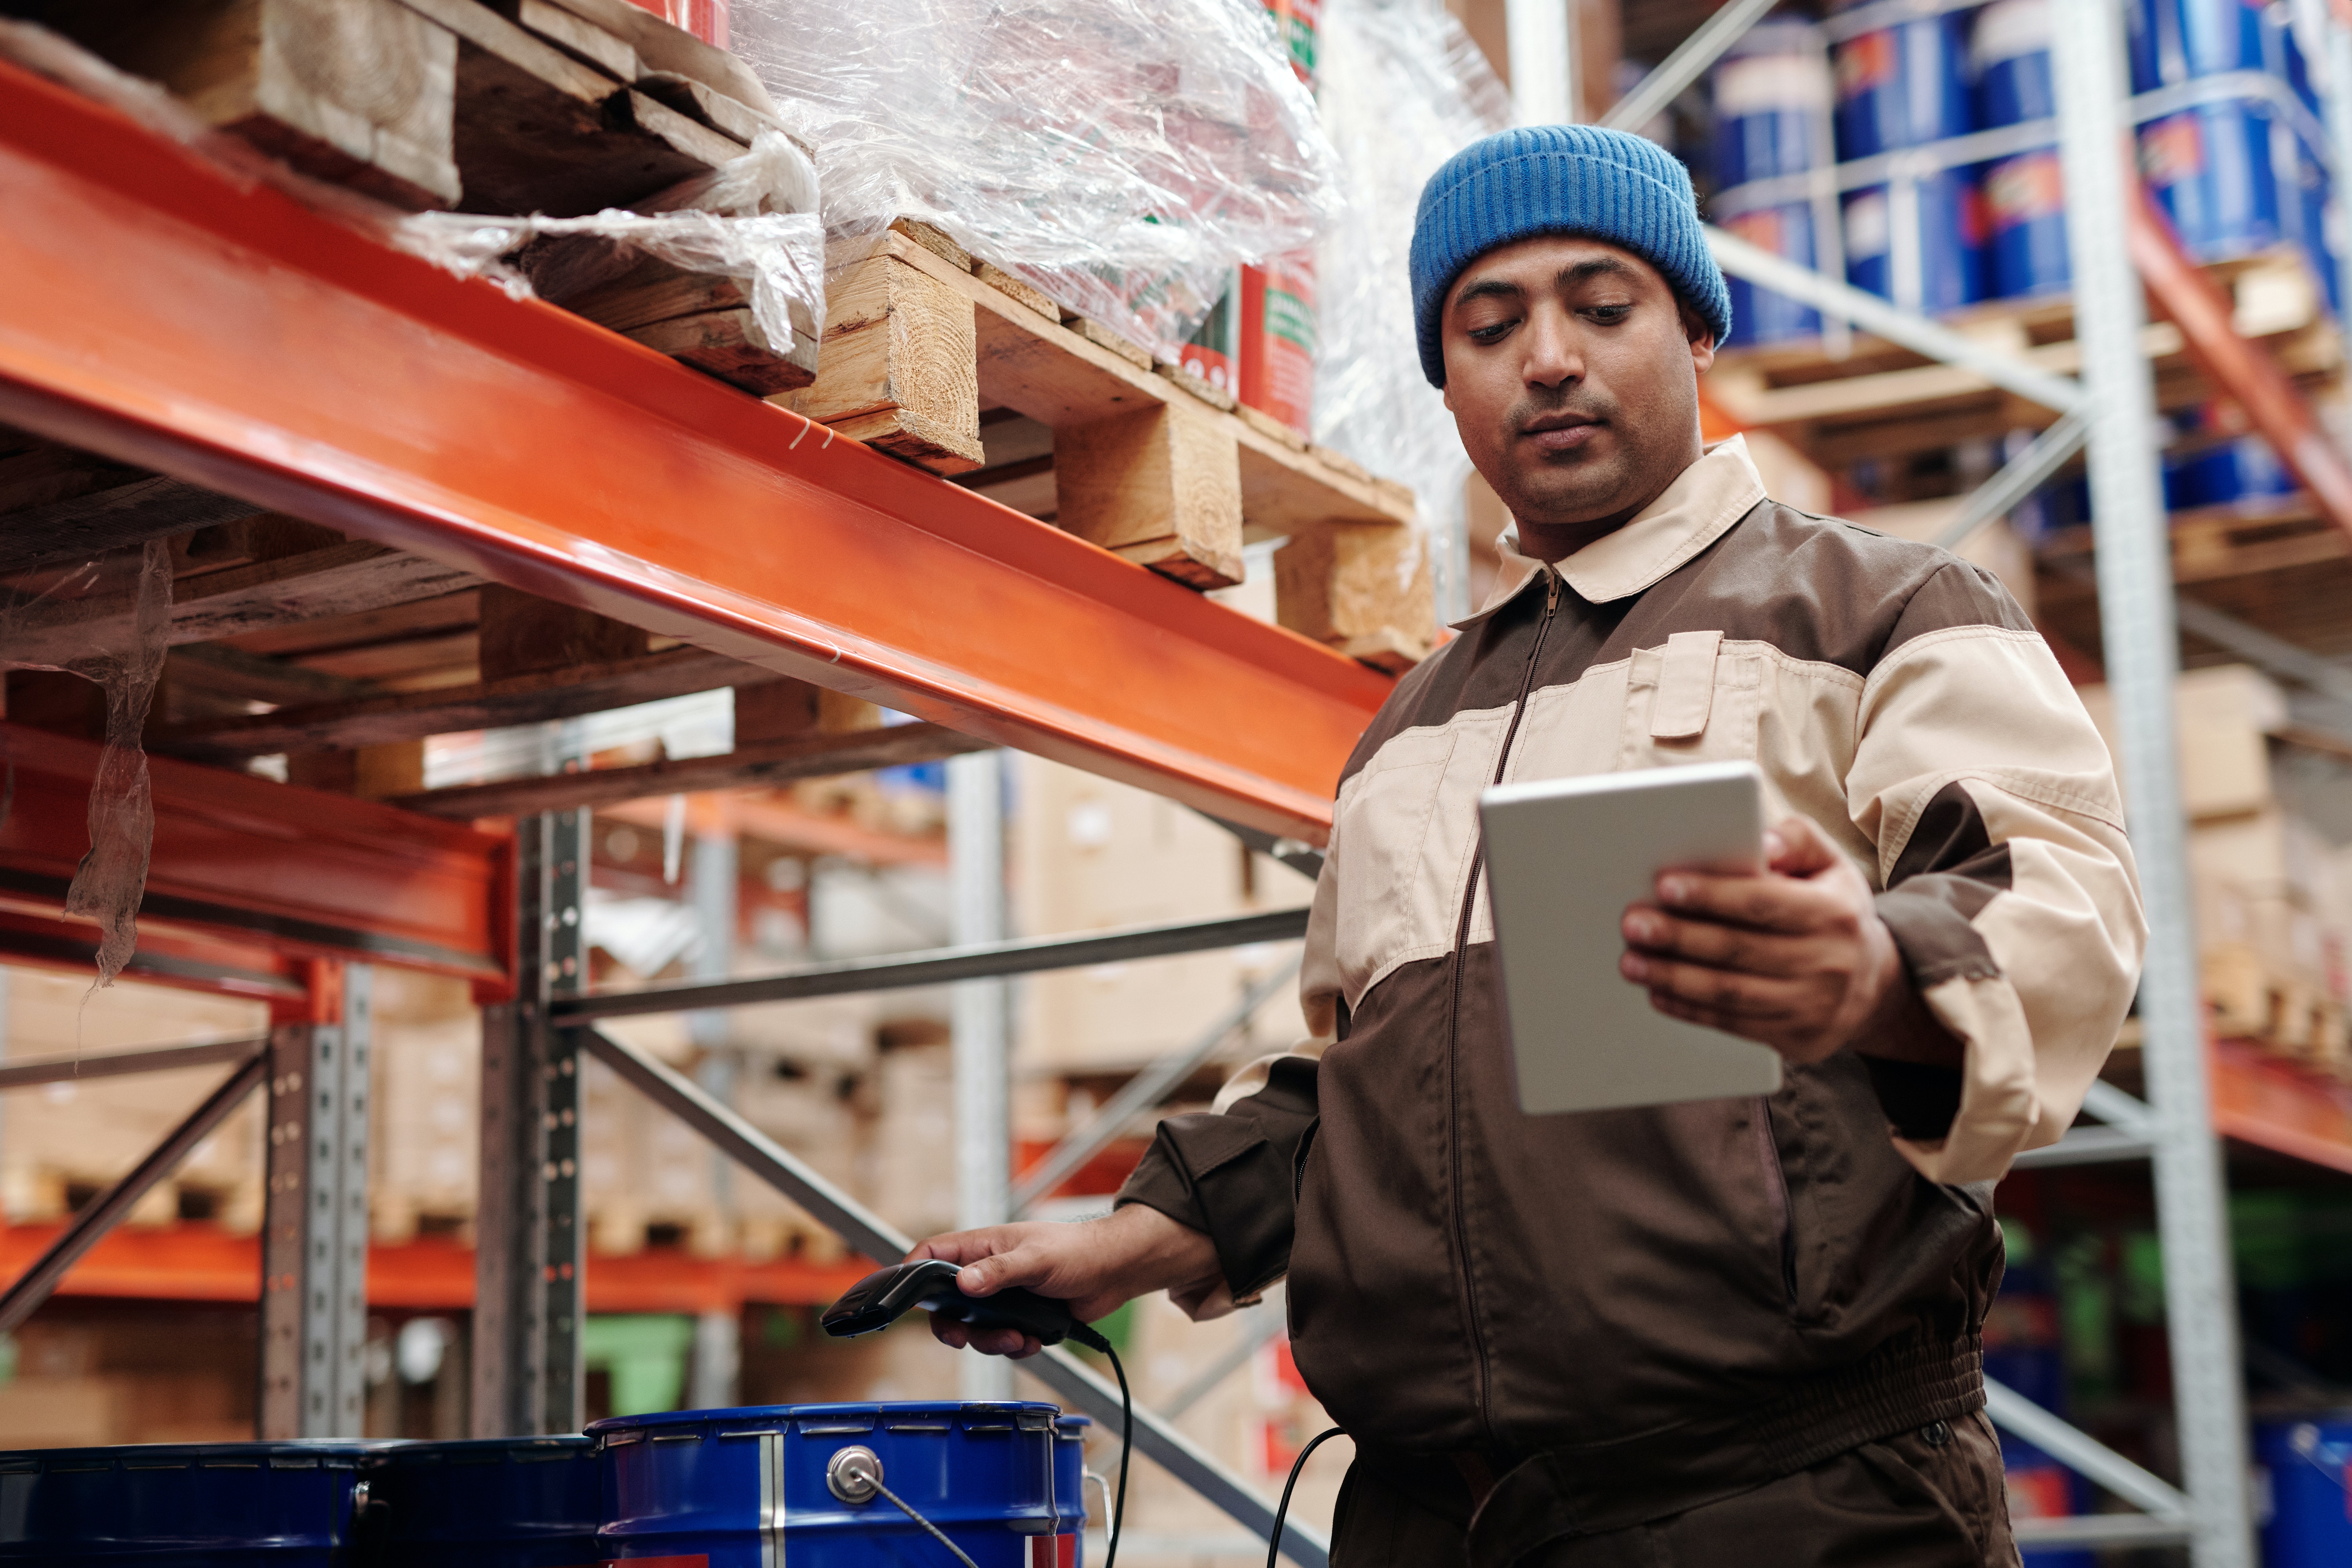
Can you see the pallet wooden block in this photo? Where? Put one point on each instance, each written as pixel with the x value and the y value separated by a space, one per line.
pixel 1065 380
pixel 1161 486
pixel 361 92
pixel 1363 588
pixel 896 370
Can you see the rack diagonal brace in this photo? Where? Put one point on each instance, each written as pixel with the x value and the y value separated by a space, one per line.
pixel 88 1227
pixel 978 961
pixel 870 1234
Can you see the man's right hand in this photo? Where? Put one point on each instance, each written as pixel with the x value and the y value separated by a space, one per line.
pixel 1095 1265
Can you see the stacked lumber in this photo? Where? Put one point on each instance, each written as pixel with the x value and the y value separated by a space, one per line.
pixel 955 364
pixel 555 107
pixel 2274 891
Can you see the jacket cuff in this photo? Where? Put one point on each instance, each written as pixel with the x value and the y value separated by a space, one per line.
pixel 1933 932
pixel 1221 1176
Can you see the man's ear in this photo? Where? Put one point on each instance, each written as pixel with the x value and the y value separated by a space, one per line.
pixel 1701 336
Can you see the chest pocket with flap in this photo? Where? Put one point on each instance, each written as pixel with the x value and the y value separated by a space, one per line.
pixel 1689 702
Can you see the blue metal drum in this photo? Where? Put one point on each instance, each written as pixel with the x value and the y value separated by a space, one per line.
pixel 1070 1491
pixel 1772 106
pixel 192 1505
pixel 498 1502
pixel 2186 38
pixel 1919 242
pixel 1771 94
pixel 2210 170
pixel 2025 211
pixel 748 1488
pixel 2306 1467
pixel 1904 86
pixel 2010 50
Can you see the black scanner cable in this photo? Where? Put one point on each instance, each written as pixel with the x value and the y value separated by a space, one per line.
pixel 1273 1538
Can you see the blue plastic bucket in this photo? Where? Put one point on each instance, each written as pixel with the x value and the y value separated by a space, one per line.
pixel 1904 86
pixel 1935 260
pixel 497 1502
pixel 182 1505
pixel 2210 169
pixel 747 1488
pixel 2025 214
pixel 2307 1465
pixel 2010 50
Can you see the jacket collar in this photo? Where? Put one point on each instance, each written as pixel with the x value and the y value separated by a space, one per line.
pixel 1695 510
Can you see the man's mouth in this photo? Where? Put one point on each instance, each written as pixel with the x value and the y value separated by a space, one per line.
pixel 1560 432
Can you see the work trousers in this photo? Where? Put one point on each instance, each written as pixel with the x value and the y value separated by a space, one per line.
pixel 1929 1499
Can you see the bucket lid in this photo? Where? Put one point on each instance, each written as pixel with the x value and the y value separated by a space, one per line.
pixel 830 1420
pixel 312 1455
pixel 486 1451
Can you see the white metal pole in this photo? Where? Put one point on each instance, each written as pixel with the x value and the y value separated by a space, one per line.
pixel 2336 100
pixel 982 1089
pixel 1541 37
pixel 2143 653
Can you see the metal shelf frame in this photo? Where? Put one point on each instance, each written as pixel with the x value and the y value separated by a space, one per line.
pixel 161 313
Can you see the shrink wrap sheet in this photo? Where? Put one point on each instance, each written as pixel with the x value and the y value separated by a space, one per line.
pixel 1121 156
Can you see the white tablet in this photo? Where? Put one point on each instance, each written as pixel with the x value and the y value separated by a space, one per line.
pixel 1564 856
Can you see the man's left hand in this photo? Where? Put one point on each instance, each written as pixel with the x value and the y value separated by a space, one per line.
pixel 1795 957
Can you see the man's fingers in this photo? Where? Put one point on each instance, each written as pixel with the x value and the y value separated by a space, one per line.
pixel 1796 846
pixel 1763 903
pixel 1718 945
pixel 1751 996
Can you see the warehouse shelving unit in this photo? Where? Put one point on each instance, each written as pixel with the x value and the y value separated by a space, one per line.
pixel 164 314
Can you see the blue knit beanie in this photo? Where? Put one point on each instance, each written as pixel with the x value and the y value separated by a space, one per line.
pixel 1559 179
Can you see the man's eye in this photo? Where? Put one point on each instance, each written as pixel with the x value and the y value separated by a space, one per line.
pixel 1491 333
pixel 1608 315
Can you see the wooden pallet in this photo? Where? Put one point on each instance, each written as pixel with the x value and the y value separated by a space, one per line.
pixel 954 364
pixel 1884 401
pixel 2251 998
pixel 560 107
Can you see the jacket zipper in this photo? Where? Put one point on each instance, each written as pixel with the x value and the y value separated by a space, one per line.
pixel 1453 1024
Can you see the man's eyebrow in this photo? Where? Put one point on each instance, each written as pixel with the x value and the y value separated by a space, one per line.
pixel 1489 288
pixel 1599 266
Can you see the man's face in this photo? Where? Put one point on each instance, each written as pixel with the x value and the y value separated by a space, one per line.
pixel 1572 371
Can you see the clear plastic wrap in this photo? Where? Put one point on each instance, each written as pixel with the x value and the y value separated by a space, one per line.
pixel 1121 156
pixel 107 620
pixel 1402 89
pixel 753 219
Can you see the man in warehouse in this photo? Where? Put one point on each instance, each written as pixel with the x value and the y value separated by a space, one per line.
pixel 1726 1332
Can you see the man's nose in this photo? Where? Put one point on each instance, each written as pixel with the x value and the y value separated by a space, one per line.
pixel 1553 357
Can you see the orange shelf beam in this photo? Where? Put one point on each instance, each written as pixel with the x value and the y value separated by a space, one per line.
pixel 2278 1106
pixel 204 1263
pixel 243 867
pixel 154 308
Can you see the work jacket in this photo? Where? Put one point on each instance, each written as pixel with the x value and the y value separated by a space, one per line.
pixel 1622 1314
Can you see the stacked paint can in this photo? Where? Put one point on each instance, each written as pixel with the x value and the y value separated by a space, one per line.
pixel 496 1502
pixel 196 1505
pixel 2024 196
pixel 2239 469
pixel 730 1489
pixel 2304 1470
pixel 1918 239
pixel 1259 342
pixel 1772 100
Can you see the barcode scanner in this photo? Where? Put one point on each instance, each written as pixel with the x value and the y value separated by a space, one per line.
pixel 884 1296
